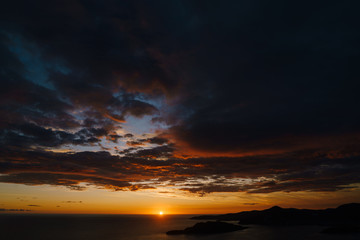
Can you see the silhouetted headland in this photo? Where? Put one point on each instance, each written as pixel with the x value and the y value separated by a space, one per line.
pixel 207 228
pixel 344 214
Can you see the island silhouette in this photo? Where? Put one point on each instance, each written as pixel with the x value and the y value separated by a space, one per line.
pixel 341 220
pixel 347 213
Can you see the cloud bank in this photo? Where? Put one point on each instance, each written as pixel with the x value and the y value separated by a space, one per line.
pixel 253 97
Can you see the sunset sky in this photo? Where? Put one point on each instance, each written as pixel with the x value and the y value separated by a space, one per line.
pixel 181 106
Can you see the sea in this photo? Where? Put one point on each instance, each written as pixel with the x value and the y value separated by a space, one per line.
pixel 140 227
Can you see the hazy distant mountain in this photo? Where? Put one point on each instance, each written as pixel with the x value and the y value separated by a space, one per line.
pixel 347 213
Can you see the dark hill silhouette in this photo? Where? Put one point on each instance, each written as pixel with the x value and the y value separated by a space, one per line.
pixel 207 228
pixel 344 214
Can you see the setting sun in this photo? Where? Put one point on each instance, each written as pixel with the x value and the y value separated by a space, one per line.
pixel 161 213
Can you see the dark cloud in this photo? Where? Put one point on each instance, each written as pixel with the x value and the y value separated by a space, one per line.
pixel 107 46
pixel 51 85
pixel 264 76
pixel 34 205
pixel 297 171
pixel 134 143
pixel 23 101
pixel 114 137
pixel 252 96
pixel 156 140
pixel 165 151
pixel 27 135
pixel 14 210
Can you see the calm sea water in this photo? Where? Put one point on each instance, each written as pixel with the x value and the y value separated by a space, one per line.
pixel 138 227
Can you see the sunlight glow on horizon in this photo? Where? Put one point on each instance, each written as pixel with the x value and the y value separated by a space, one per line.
pixel 53 200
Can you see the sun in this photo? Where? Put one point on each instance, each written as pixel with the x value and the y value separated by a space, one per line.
pixel 161 213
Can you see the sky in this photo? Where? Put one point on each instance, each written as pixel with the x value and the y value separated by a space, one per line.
pixel 185 107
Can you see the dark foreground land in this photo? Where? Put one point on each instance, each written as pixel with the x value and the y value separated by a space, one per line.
pixel 344 219
pixel 344 214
